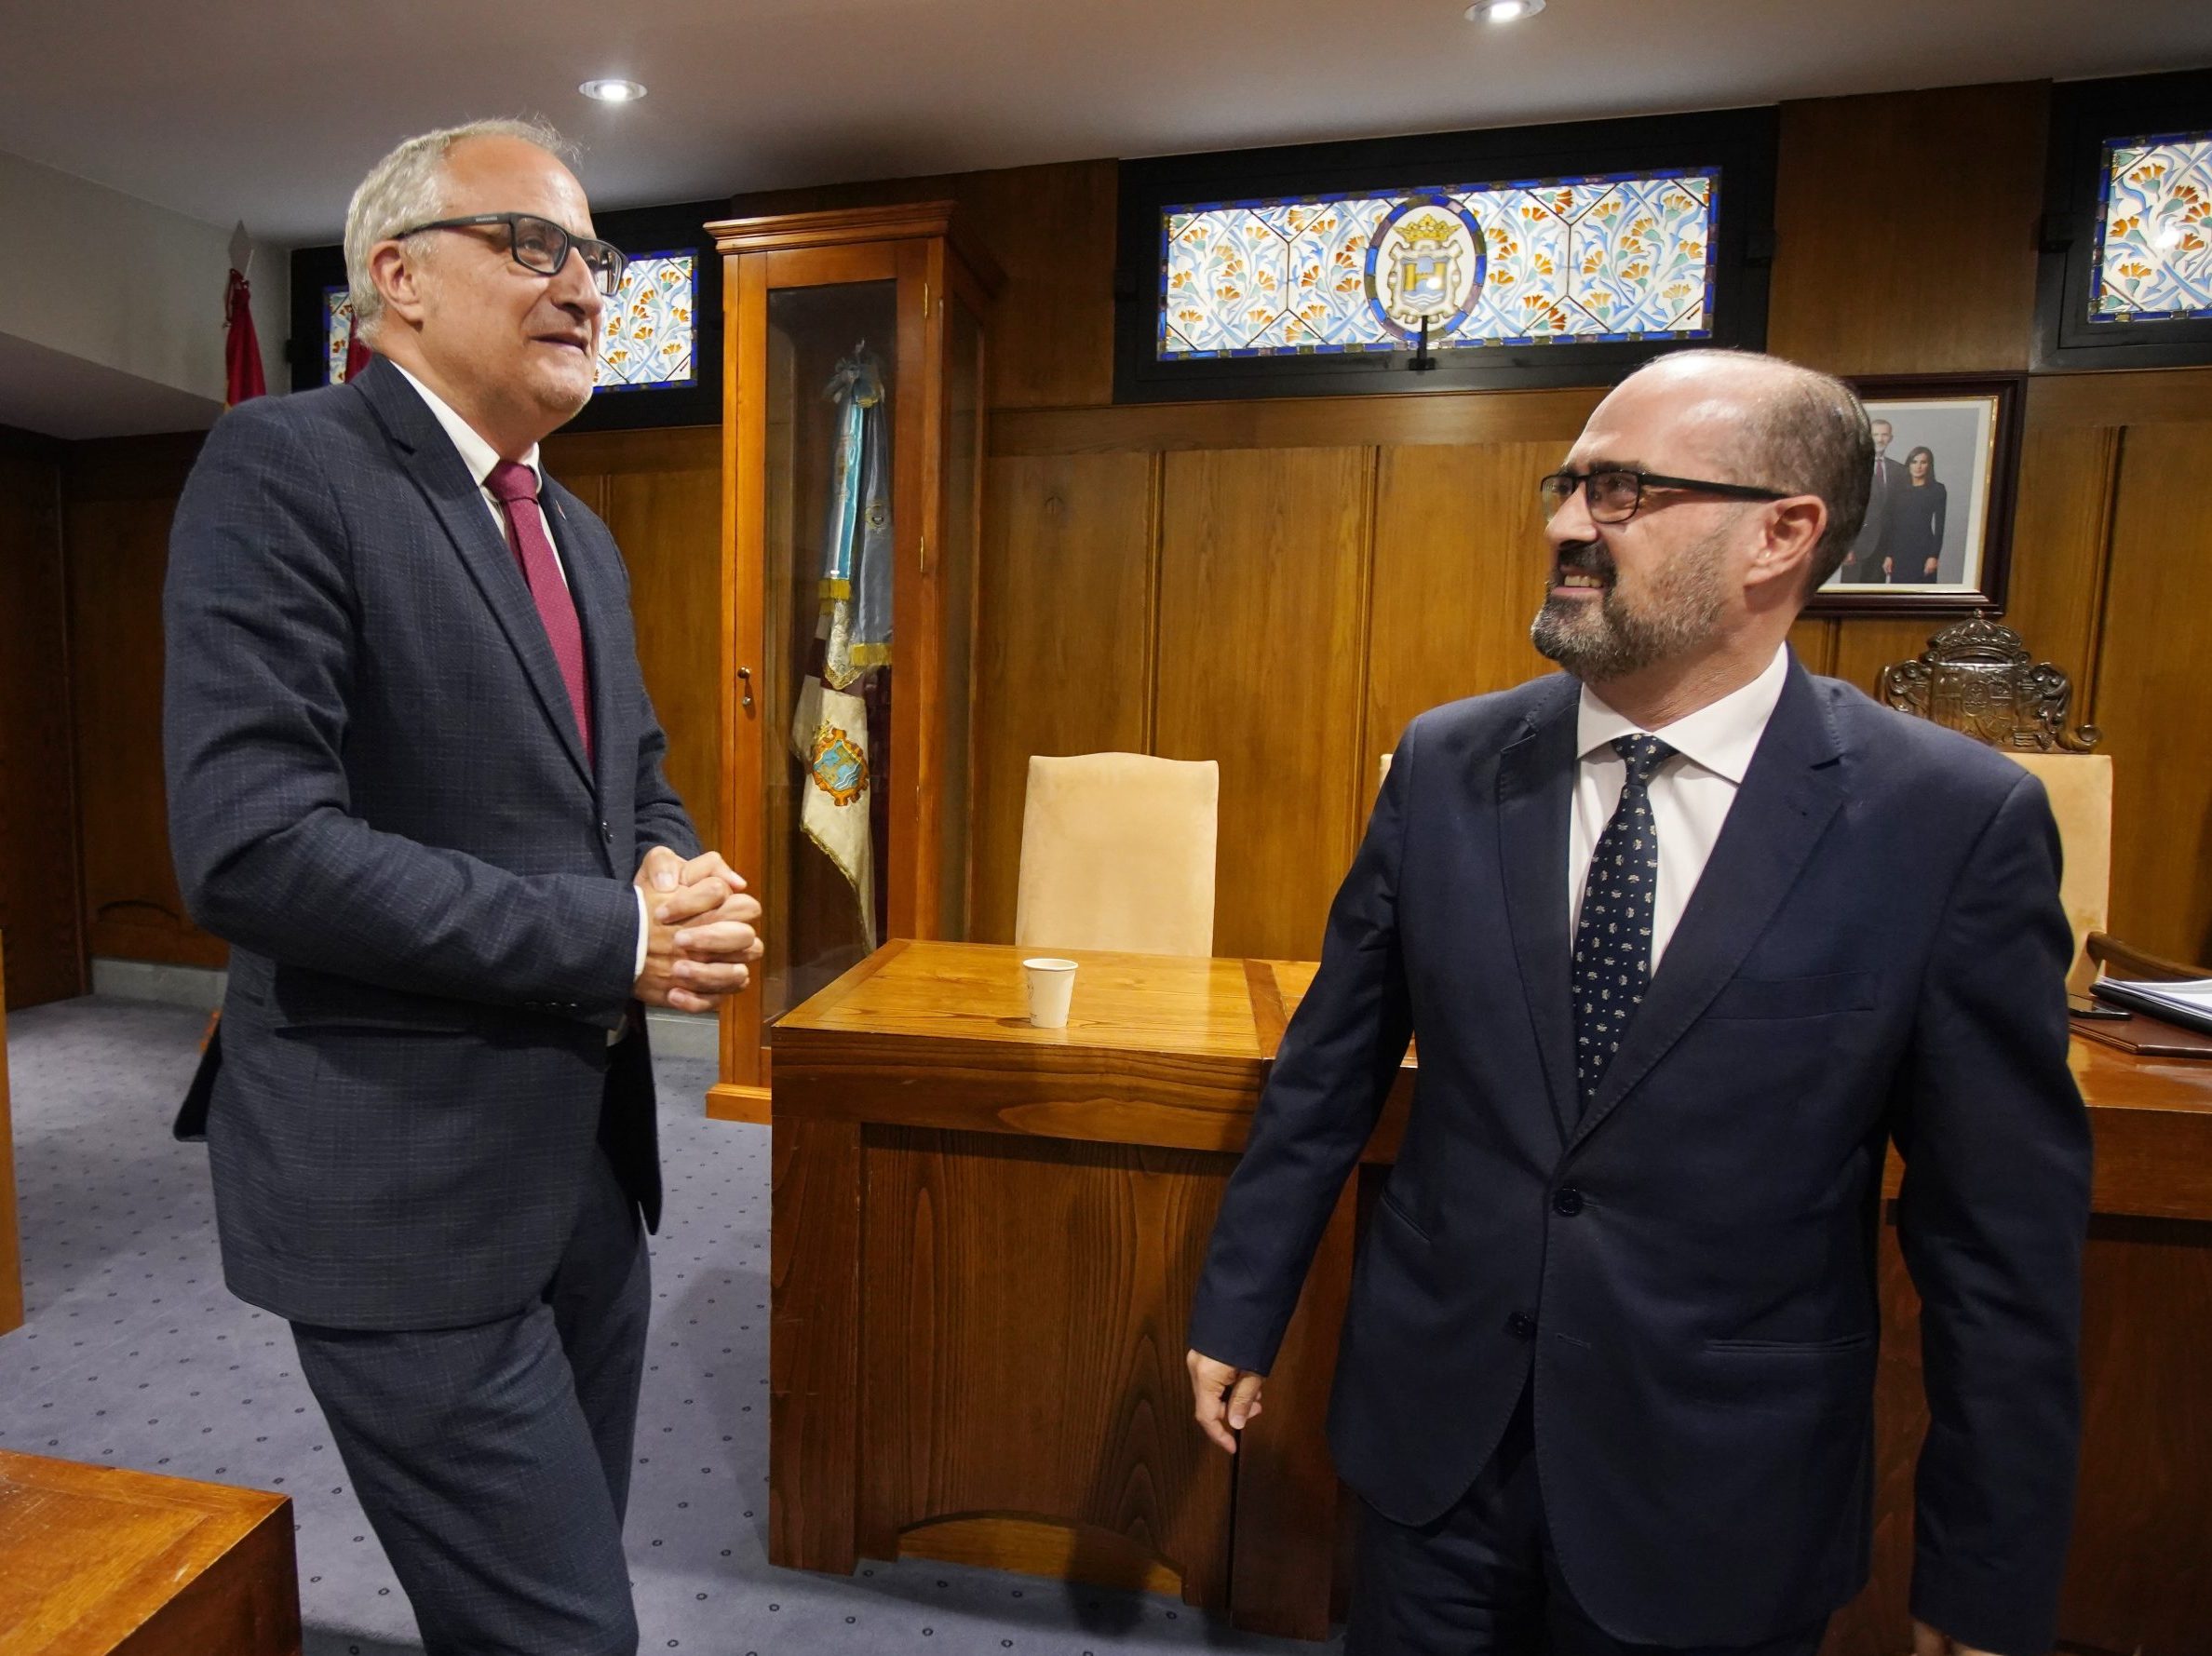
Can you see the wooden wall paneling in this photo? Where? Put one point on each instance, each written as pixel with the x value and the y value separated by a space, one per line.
pixel 2061 543
pixel 11 1244
pixel 1546 415
pixel 1064 649
pixel 2150 398
pixel 1262 585
pixel 119 498
pixel 2153 695
pixel 660 491
pixel 1814 638
pixel 40 899
pixel 1461 569
pixel 1089 1427
pixel 1904 230
pixel 1052 231
pixel 814 1379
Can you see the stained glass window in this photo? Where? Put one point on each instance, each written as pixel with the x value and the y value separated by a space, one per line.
pixel 652 329
pixel 1608 258
pixel 337 329
pixel 652 332
pixel 2154 258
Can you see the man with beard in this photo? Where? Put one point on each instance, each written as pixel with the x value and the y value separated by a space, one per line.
pixel 1606 1382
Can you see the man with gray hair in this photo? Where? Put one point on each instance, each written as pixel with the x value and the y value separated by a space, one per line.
pixel 416 782
pixel 1606 1382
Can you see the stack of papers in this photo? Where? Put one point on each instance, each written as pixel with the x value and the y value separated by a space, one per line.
pixel 2188 1002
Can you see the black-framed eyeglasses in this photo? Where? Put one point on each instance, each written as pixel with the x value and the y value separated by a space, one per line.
pixel 1616 496
pixel 541 246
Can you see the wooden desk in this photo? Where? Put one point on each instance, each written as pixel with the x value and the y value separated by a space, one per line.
pixel 96 1559
pixel 11 1254
pixel 986 1237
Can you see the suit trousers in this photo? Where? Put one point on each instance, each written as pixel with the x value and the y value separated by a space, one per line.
pixel 494 1460
pixel 1483 1580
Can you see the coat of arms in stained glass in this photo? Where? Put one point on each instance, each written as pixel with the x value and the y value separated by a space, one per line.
pixel 1620 256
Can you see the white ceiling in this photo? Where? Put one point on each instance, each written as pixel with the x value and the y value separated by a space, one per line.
pixel 270 110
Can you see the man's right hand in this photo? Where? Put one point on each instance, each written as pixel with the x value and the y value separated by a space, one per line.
pixel 672 907
pixel 1225 1398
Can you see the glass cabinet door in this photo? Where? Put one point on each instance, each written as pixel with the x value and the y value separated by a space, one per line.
pixel 827 653
pixel 853 455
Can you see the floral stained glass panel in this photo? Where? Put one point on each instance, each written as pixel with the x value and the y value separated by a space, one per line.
pixel 337 328
pixel 651 332
pixel 1571 260
pixel 2154 230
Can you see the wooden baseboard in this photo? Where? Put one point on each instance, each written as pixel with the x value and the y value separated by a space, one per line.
pixel 1044 1547
pixel 728 1103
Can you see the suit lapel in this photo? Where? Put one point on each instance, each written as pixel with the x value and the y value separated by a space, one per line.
pixel 1535 796
pixel 1790 791
pixel 436 469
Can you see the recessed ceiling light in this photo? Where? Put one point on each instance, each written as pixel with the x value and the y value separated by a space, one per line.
pixel 629 91
pixel 1503 11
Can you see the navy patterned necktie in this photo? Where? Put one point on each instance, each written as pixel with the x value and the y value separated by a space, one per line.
pixel 1612 939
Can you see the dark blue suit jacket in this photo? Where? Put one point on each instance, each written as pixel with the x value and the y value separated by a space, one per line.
pixel 379 798
pixel 1688 1271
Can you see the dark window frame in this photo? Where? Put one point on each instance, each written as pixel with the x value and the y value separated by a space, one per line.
pixel 2084 116
pixel 1740 143
pixel 649 232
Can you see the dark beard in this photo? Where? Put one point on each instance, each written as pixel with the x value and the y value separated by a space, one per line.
pixel 1606 639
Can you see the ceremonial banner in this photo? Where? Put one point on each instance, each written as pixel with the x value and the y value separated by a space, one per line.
pixel 852 634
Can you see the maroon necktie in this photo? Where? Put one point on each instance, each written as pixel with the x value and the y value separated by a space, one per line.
pixel 516 486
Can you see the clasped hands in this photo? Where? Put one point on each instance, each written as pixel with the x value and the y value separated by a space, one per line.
pixel 699 941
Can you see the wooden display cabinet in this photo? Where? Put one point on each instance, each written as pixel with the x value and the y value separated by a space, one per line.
pixel 855 344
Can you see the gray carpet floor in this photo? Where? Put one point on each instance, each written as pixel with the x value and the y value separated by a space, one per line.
pixel 134 1354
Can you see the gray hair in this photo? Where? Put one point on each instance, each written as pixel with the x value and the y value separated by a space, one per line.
pixel 408 187
pixel 1807 433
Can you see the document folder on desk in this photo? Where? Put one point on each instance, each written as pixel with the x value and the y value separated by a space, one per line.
pixel 2171 1020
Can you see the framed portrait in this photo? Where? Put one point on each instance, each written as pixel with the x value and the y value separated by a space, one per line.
pixel 1937 538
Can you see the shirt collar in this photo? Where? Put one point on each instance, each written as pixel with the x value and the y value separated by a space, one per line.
pixel 475 453
pixel 1720 737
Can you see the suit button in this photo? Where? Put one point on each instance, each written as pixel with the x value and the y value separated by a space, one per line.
pixel 1522 1324
pixel 606 833
pixel 1566 1202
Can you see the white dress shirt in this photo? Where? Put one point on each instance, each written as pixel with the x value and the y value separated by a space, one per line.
pixel 481 457
pixel 1691 793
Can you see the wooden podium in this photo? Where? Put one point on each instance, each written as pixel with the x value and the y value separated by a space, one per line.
pixel 986 1237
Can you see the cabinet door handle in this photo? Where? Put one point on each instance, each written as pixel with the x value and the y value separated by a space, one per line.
pixel 745 681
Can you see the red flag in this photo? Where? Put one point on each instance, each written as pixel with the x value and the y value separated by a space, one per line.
pixel 357 354
pixel 241 349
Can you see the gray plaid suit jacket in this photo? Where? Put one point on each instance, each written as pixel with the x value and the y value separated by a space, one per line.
pixel 379 798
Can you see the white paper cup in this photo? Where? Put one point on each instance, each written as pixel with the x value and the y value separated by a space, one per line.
pixel 1051 988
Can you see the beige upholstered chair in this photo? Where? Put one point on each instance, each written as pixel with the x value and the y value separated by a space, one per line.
pixel 1117 852
pixel 1980 679
pixel 2080 786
